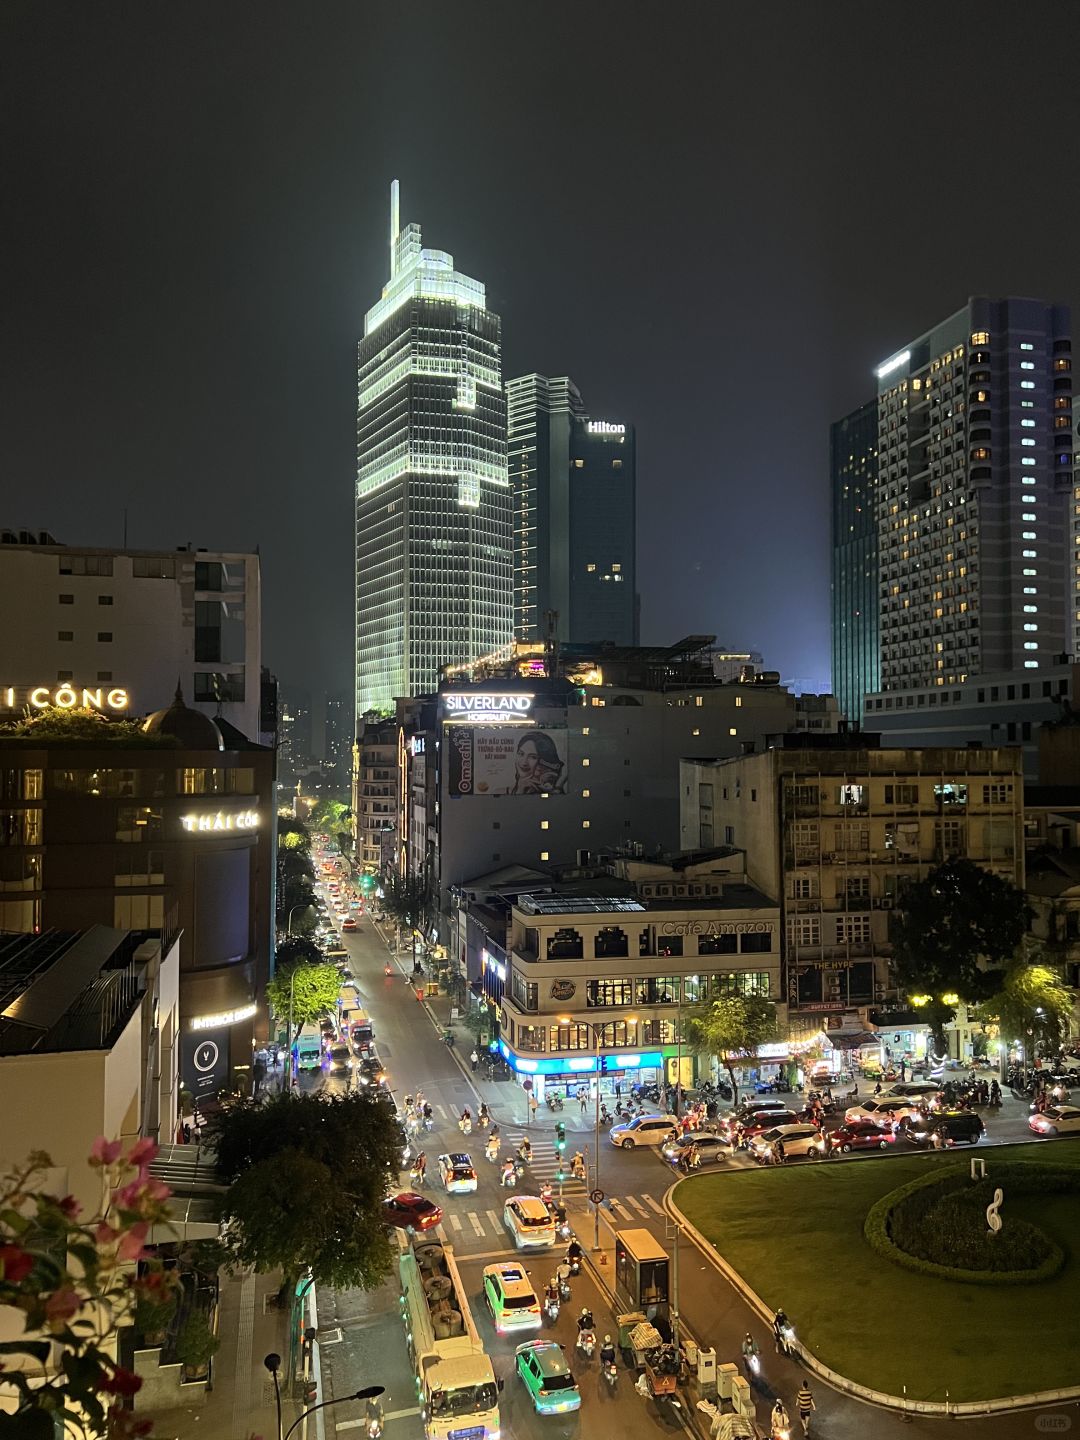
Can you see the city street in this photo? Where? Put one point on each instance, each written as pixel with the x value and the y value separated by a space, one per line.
pixel 410 1045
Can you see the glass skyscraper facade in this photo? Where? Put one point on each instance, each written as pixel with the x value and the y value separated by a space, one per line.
pixel 433 503
pixel 856 655
pixel 575 527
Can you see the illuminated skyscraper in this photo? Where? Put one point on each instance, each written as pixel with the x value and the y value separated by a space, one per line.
pixel 856 658
pixel 433 527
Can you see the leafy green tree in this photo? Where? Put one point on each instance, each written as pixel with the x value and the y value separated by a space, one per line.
pixel 952 932
pixel 301 993
pixel 407 898
pixel 1034 1005
pixel 307 1177
pixel 328 815
pixel 292 834
pixel 732 1028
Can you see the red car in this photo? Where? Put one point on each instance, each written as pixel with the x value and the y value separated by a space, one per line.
pixel 409 1211
pixel 859 1135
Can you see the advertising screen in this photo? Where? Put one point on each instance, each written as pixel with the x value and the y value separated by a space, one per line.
pixel 506 761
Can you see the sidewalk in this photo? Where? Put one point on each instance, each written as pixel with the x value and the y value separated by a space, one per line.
pixel 241 1400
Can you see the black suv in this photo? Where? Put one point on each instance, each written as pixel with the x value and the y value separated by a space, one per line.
pixel 953 1126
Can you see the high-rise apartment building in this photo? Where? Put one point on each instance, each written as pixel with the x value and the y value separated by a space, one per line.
pixel 338 737
pixel 575 535
pixel 856 659
pixel 433 533
pixel 974 473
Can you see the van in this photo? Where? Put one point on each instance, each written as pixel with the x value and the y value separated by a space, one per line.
pixel 361 1029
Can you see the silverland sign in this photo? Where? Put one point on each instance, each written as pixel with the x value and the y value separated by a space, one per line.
pixel 487 706
pixel 716 927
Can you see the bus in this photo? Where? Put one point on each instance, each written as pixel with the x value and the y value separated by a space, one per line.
pixel 307 1053
pixel 455 1381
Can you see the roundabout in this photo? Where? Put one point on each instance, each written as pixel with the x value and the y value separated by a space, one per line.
pixel 798 1239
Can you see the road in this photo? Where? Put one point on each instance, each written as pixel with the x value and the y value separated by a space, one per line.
pixel 413 1052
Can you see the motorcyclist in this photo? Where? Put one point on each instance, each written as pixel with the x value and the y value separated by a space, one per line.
pixel 781 1424
pixel 585 1321
pixel 577 1165
pixel 492 1147
pixel 524 1151
pixel 781 1326
pixel 429 1117
pixel 750 1351
pixel 374 1416
pixel 574 1253
pixel 509 1174
pixel 551 1293
pixel 607 1351
pixel 484 1118
pixel 465 1123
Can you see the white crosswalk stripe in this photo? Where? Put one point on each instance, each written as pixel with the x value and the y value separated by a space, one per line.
pixel 637 1205
pixel 653 1205
pixel 494 1218
pixel 455 1221
pixel 477 1227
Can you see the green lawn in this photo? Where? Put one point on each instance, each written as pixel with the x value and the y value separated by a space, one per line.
pixel 796 1236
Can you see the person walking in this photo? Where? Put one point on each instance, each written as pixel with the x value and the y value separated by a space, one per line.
pixel 583 1097
pixel 804 1404
pixel 474 1059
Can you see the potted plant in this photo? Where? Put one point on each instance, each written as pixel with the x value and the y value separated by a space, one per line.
pixel 152 1318
pixel 196 1345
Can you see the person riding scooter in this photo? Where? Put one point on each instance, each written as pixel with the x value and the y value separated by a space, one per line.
pixel 524 1152
pixel 607 1351
pixel 750 1355
pixel 779 1421
pixel 574 1257
pixel 585 1320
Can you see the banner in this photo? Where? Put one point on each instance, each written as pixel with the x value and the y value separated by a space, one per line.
pixel 506 761
pixel 204 1064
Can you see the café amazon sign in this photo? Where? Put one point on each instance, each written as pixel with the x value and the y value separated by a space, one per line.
pixel 64 697
pixel 716 927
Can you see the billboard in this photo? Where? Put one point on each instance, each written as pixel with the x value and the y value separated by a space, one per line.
pixel 204 1063
pixel 505 761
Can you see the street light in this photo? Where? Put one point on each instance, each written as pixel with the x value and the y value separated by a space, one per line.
pixel 596 1029
pixel 273 1364
pixel 368 1393
pixel 305 905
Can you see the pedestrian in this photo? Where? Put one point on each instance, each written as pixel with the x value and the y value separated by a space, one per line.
pixel 534 1105
pixel 804 1403
pixel 474 1059
pixel 778 1150
pixel 618 1090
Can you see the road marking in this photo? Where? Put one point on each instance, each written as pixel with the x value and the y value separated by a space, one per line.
pixel 477 1227
pixel 637 1205
pixel 440 1231
pixel 652 1204
pixel 390 1415
pixel 494 1218
pixel 455 1221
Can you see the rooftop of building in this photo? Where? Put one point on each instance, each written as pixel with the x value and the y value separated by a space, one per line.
pixel 42 540
pixel 71 990
pixel 622 897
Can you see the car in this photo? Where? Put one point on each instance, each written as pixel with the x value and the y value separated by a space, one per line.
pixel 541 1364
pixel 710 1147
pixel 349 924
pixel 859 1135
pixel 642 1130
pixel 910 1088
pixel 799 1140
pixel 457 1173
pixel 761 1120
pixel 328 1027
pixel 885 1109
pixel 409 1211
pixel 1057 1120
pixel 338 1060
pixel 369 1070
pixel 952 1125
pixel 529 1222
pixel 753 1103
pixel 510 1298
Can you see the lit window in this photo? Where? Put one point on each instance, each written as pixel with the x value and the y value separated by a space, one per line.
pixel 1027 440
pixel 1031 645
pixel 1027 404
pixel 545 824
pixel 544 855
pixel 584 729
pixel 1029 535
pixel 738 701
pixel 1031 627
pixel 585 794
pixel 1029 515
pixel 981 337
pixel 1027 460
pixel 1027 554
pixel 732 730
pixel 590 568
pixel 980 453
pixel 1028 424
pixel 1027 384
pixel 585 761
pixel 695 731
pixel 616 568
pixel 579 464
pixel 1031 572
pixel 1031 664
pixel 1030 590
pixel 1029 499
pixel 699 700
pixel 1030 609
pixel 585 824
pixel 1027 364
pixel 1025 346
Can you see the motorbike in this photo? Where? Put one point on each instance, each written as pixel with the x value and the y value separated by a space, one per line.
pixel 564 1230
pixel 551 1308
pixel 586 1343
pixel 509 1177
pixel 610 1372
pixel 465 1126
pixel 554 1101
pixel 386 969
pixel 752 1366
pixel 784 1340
pixel 491 1152
pixel 565 1293
pixel 574 1262
pixel 780 1425
pixel 374 1427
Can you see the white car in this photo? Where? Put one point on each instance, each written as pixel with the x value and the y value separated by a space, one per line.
pixel 642 1130
pixel 457 1173
pixel 529 1222
pixel 1057 1120
pixel 799 1140
pixel 886 1109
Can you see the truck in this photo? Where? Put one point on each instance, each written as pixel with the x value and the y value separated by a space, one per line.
pixel 455 1380
pixel 307 1052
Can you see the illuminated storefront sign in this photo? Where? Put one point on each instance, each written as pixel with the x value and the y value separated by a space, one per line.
pixel 221 820
pixel 64 697
pixel 222 1018
pixel 486 706
pixel 716 927
pixel 581 1064
pixel 604 427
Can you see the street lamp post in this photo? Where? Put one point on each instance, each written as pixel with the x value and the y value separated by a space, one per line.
pixel 273 1364
pixel 596 1030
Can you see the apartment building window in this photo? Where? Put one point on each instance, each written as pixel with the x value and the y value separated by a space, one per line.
pixel 756 943
pixel 150 567
pixel 67 599
pixel 804 795
pixel 856 887
pixel 20 827
pixel 807 842
pixel 208 575
pixel 853 929
pixel 104 637
pixel 524 992
pixel 138 824
pixel 804 930
pixel 952 794
pixel 804 887
pixel 65 635
pixel 997 794
pixel 104 599
pixel 135 865
pixel 852 837
pixel 209 685
pixel 202 781
pixel 901 794
pixel 998 839
pixel 949 838
pixel 605 994
pixel 86 564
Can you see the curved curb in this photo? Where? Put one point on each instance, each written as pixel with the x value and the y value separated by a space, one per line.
pixel 959 1410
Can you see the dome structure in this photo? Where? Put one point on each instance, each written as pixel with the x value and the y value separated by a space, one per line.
pixel 193 729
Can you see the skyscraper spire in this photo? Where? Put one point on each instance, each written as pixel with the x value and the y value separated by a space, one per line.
pixel 395 226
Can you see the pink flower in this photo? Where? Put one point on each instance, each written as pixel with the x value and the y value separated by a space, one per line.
pixel 70 1206
pixel 120 1382
pixel 104 1152
pixel 128 1196
pixel 131 1244
pixel 61 1306
pixel 15 1264
pixel 104 1234
pixel 142 1152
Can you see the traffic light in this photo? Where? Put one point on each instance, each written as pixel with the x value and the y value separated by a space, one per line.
pixel 367 883
pixel 560 1137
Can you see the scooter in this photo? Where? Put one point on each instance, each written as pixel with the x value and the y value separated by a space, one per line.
pixel 565 1293
pixel 586 1343
pixel 610 1373
pixel 491 1151
pixel 574 1262
pixel 551 1308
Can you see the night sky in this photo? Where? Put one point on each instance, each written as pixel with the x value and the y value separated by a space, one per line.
pixel 716 217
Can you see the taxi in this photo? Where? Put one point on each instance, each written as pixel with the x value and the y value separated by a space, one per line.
pixel 542 1366
pixel 458 1174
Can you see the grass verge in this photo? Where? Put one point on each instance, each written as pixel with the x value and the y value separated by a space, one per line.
pixel 796 1236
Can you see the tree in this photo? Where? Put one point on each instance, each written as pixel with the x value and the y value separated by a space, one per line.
pixel 407 898
pixel 732 1028
pixel 953 930
pixel 1033 1006
pixel 307 1177
pixel 301 993
pixel 328 815
pixel 292 834
pixel 298 950
pixel 72 1279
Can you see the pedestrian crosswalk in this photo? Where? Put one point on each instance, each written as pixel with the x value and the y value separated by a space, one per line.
pixel 488 1224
